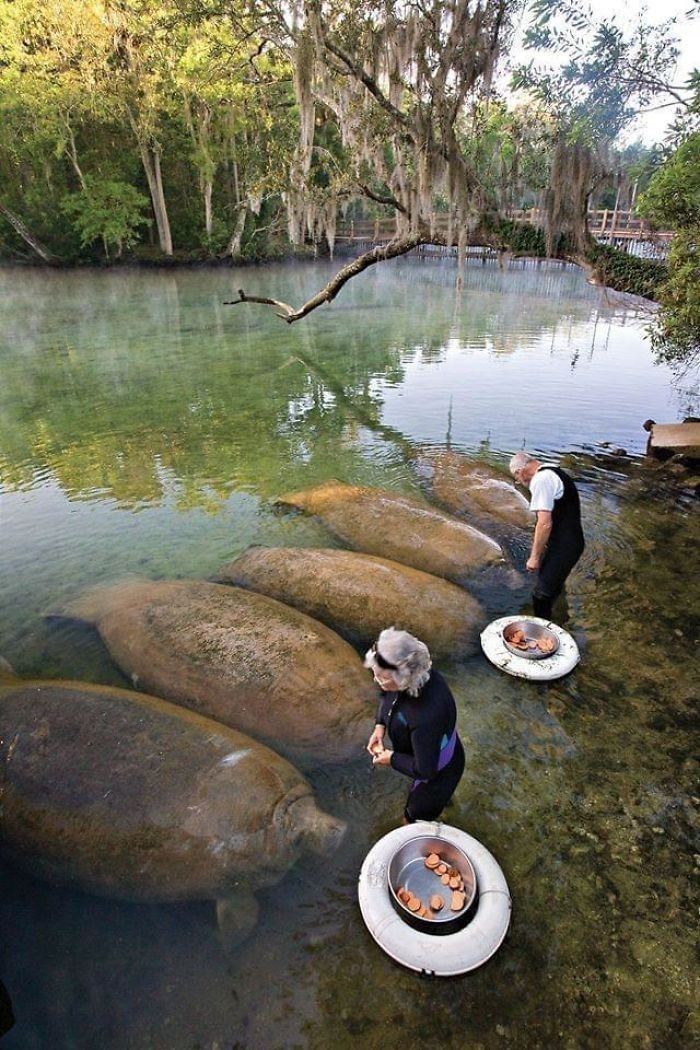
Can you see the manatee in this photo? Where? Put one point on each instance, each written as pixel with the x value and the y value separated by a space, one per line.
pixel 398 527
pixel 361 594
pixel 126 795
pixel 238 657
pixel 472 487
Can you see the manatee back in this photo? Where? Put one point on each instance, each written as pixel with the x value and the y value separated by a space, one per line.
pixel 245 660
pixel 389 525
pixel 359 594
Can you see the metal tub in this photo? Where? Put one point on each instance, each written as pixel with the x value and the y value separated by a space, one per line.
pixel 407 869
pixel 533 632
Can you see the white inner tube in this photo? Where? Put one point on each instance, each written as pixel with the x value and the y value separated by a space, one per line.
pixel 445 955
pixel 555 666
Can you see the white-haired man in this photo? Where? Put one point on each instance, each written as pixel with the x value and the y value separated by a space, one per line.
pixel 558 540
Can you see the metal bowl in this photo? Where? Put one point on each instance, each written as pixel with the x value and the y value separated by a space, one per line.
pixel 407 869
pixel 533 633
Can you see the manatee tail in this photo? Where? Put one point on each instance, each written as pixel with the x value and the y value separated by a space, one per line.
pixel 236 917
pixel 93 602
pixel 309 499
pixel 227 572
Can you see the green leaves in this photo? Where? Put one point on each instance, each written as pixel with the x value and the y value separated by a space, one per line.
pixel 107 210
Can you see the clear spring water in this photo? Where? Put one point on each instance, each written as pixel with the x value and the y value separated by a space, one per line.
pixel 145 428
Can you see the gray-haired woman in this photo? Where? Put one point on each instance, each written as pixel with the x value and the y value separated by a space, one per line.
pixel 418 711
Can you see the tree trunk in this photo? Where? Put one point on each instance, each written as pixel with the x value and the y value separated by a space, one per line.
pixel 151 165
pixel 26 234
pixel 234 245
pixel 208 187
pixel 73 156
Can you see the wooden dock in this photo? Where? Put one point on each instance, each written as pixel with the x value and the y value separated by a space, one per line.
pixel 671 439
pixel 609 226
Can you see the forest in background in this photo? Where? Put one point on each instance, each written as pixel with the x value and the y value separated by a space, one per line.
pixel 201 130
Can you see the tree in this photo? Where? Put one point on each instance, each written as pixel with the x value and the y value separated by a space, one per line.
pixel 402 83
pixel 109 211
pixel 673 200
pixel 605 75
pixel 410 89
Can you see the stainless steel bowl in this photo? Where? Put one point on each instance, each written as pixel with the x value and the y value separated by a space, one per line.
pixel 407 869
pixel 533 633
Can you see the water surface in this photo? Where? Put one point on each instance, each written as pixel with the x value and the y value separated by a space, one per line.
pixel 146 428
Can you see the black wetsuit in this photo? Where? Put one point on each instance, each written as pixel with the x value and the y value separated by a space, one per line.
pixel 564 548
pixel 426 746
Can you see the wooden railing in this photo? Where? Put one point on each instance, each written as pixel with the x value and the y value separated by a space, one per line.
pixel 606 225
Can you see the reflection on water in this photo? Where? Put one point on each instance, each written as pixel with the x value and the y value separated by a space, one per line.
pixel 144 428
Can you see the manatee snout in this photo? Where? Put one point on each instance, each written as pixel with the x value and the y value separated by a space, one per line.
pixel 317 831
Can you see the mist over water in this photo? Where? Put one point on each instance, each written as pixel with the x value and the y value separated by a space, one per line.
pixel 145 429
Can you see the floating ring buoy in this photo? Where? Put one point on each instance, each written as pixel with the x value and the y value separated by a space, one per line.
pixel 555 666
pixel 453 953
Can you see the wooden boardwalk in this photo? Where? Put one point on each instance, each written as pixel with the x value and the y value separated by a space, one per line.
pixel 608 226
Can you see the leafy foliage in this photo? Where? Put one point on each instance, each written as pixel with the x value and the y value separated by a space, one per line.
pixel 109 211
pixel 673 196
pixel 626 273
pixel 673 199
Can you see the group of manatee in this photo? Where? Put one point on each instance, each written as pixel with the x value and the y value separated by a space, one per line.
pixel 174 791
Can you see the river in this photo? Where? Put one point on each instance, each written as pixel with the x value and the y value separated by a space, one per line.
pixel 146 428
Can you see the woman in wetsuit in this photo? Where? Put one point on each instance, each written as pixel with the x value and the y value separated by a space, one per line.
pixel 418 711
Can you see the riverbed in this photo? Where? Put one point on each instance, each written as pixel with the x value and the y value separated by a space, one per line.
pixel 146 428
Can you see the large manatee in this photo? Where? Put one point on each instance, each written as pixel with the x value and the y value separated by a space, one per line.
pixel 128 796
pixel 361 594
pixel 393 526
pixel 472 487
pixel 239 657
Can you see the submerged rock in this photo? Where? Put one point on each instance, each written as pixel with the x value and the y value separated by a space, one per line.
pixel 128 796
pixel 363 594
pixel 238 657
pixel 472 487
pixel 400 528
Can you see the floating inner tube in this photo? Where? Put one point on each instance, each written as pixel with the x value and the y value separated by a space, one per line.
pixel 439 956
pixel 560 663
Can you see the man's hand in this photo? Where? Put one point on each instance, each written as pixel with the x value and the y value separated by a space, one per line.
pixel 532 564
pixel 376 741
pixel 382 758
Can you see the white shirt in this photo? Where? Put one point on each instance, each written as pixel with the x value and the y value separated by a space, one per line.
pixel 545 487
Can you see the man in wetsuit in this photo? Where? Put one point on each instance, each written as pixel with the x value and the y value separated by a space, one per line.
pixel 558 540
pixel 418 711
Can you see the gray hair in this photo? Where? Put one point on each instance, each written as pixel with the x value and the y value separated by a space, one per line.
pixel 520 460
pixel 410 656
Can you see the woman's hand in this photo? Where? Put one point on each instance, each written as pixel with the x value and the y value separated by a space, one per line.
pixel 376 741
pixel 382 758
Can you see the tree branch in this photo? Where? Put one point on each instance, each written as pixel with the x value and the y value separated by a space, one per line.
pixel 327 294
pixel 369 82
pixel 380 253
pixel 26 234
pixel 381 199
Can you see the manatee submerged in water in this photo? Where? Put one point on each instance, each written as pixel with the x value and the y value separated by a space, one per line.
pixel 128 796
pixel 238 657
pixel 393 526
pixel 361 594
pixel 472 487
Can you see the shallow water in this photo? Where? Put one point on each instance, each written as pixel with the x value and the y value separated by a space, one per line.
pixel 146 428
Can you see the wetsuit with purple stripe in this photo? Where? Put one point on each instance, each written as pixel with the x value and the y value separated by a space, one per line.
pixel 426 745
